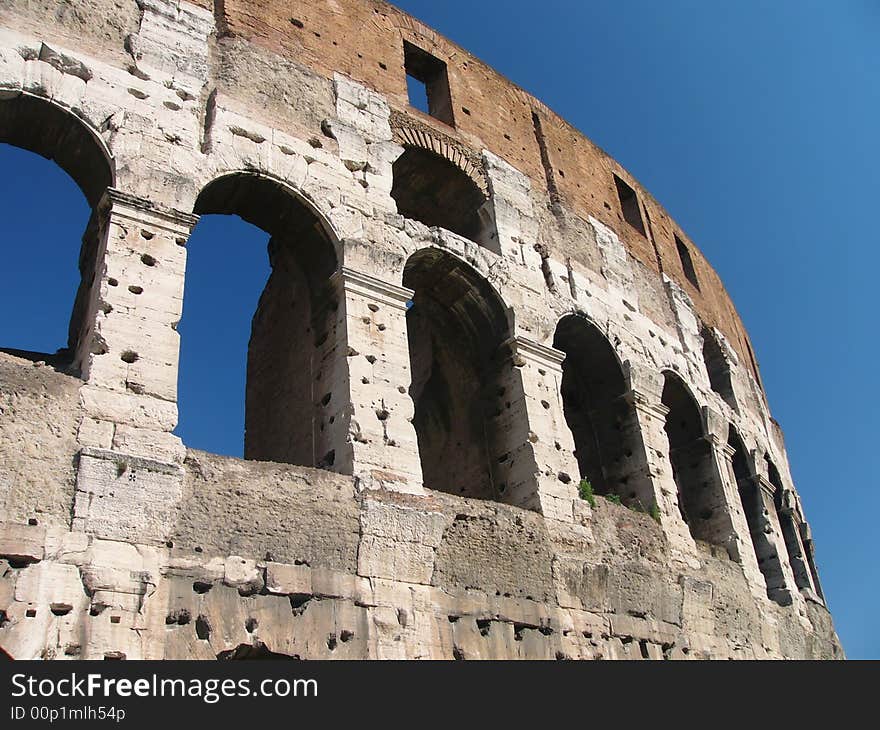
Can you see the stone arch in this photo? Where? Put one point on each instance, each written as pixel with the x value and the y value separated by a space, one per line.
pixel 48 129
pixel 409 132
pixel 243 191
pixel 294 331
pixel 440 182
pixel 43 127
pixel 599 411
pixel 757 516
pixel 458 330
pixel 701 499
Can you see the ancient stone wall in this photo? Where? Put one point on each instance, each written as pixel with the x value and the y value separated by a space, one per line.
pixel 471 311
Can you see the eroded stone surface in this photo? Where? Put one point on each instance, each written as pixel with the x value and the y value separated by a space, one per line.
pixel 425 401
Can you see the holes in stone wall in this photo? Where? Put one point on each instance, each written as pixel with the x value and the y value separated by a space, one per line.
pixel 129 356
pixel 456 327
pixel 629 205
pixel 427 83
pixel 687 264
pixel 179 617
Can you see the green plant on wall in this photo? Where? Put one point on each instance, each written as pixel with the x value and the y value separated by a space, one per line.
pixel 653 511
pixel 585 490
pixel 615 498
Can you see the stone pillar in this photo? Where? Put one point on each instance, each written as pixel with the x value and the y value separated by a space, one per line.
pixel 727 523
pixel 651 418
pixel 740 547
pixel 384 447
pixel 646 393
pixel 129 476
pixel 806 535
pixel 797 554
pixel 540 471
pixel 778 586
pixel 129 346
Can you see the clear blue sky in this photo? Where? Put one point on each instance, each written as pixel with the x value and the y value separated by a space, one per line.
pixel 756 124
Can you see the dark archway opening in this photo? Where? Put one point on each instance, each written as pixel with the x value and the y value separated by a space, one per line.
pixel 50 226
pixel 288 336
pixel 700 496
pixel 598 412
pixel 257 651
pixel 756 516
pixel 430 189
pixel 456 328
pixel 718 368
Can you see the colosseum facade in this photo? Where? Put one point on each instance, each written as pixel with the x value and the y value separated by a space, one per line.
pixel 472 312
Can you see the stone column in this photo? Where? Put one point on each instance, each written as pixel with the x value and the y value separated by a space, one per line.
pixel 128 347
pixel 540 471
pixel 384 450
pixel 646 393
pixel 651 418
pixel 780 578
pixel 740 546
pixel 806 535
pixel 797 554
pixel 129 477
pixel 727 524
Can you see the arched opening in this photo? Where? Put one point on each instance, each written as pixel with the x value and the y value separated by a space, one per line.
pixel 756 516
pixel 256 651
pixel 700 496
pixel 456 327
pixel 280 348
pixel 717 367
pixel 790 532
pixel 51 225
pixel 598 412
pixel 431 189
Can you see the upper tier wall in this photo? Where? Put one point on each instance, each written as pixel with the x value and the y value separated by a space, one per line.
pixel 363 39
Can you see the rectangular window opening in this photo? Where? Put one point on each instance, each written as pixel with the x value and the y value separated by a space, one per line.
pixel 427 83
pixel 629 205
pixel 687 263
pixel 418 94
